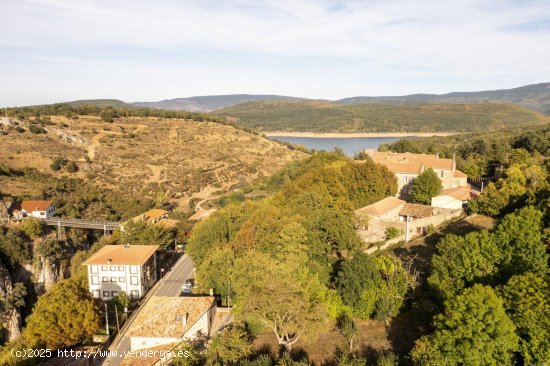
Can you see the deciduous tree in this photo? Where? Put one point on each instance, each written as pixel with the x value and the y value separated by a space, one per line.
pixel 282 295
pixel 474 329
pixel 425 186
pixel 527 301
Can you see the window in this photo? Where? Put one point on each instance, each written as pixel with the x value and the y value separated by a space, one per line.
pixel 121 268
pixel 113 279
pixel 134 280
pixel 94 269
pixel 112 268
pixel 133 269
pixel 442 174
pixel 134 294
pixel 95 280
pixel 103 268
pixel 96 293
pixel 121 279
pixel 114 293
pixel 105 279
pixel 105 293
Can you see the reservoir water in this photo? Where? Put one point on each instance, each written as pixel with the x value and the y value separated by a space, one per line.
pixel 350 145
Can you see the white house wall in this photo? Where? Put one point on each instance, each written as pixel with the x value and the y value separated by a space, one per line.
pixel 446 202
pixel 124 280
pixel 139 343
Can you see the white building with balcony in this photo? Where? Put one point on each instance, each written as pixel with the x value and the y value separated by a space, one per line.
pixel 116 268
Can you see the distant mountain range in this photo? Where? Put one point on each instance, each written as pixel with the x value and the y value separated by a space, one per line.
pixel 209 103
pixel 535 97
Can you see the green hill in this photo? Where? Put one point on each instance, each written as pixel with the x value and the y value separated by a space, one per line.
pixel 115 103
pixel 208 103
pixel 316 116
pixel 535 97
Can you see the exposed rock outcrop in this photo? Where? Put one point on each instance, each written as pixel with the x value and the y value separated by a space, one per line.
pixel 10 317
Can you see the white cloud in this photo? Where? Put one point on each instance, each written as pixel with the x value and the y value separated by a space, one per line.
pixel 459 43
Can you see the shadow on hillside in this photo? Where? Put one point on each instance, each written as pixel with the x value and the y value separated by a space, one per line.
pixel 420 251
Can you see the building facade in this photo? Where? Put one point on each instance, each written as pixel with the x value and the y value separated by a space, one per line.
pixel 407 166
pixel 122 268
pixel 40 209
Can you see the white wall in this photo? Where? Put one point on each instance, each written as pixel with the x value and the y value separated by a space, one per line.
pixel 138 343
pixel 123 280
pixel 203 325
pixel 446 202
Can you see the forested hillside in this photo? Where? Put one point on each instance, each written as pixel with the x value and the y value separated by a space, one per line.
pixel 316 116
pixel 470 296
pixel 478 154
pixel 535 97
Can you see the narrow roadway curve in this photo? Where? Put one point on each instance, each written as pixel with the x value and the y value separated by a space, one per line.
pixel 170 285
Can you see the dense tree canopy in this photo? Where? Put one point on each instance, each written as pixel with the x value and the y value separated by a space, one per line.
pixel 63 317
pixel 527 301
pixel 473 330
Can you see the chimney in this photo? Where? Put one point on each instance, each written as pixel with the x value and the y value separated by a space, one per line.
pixel 211 292
pixel 109 260
pixel 185 318
pixel 437 156
pixel 454 162
pixel 127 245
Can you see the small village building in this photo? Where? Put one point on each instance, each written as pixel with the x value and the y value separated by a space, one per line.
pixel 41 209
pixel 116 268
pixel 385 209
pixel 454 198
pixel 407 166
pixel 373 220
pixel 413 211
pixel 165 320
pixel 152 216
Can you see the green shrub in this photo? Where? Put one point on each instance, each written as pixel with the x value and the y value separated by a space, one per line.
pixel 71 167
pixel 392 232
pixel 36 129
pixel 32 227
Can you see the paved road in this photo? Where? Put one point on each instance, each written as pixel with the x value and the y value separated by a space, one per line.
pixel 171 283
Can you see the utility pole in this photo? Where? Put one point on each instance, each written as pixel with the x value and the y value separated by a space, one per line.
pixel 106 319
pixel 407 229
pixel 117 324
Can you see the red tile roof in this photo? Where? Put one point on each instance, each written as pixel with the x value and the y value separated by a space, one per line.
pixel 459 174
pixel 122 254
pixel 169 317
pixel 459 193
pixel 409 162
pixel 415 210
pixel 31 206
pixel 381 207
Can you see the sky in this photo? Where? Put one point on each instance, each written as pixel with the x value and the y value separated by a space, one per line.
pixel 138 50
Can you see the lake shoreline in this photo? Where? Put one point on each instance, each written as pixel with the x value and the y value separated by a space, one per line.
pixel 354 135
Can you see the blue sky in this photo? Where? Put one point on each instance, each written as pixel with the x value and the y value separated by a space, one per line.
pixel 137 50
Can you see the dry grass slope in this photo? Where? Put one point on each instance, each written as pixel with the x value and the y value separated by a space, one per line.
pixel 147 156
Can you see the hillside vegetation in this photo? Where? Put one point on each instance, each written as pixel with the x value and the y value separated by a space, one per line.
pixel 479 153
pixel 332 117
pixel 535 97
pixel 161 159
pixel 208 103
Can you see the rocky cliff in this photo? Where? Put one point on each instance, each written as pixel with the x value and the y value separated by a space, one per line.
pixel 10 315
